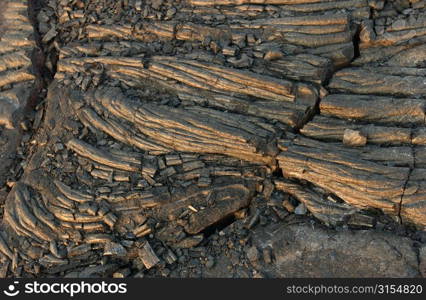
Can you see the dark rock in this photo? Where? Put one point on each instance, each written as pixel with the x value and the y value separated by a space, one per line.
pixel 422 259
pixel 253 254
pixel 303 251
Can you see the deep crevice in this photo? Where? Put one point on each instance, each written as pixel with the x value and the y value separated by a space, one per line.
pixel 38 59
pixel 218 226
pixel 316 110
pixel 356 41
pixel 309 115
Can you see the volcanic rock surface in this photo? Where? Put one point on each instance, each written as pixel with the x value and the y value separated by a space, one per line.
pixel 183 138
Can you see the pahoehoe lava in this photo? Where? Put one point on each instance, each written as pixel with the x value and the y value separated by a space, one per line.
pixel 212 138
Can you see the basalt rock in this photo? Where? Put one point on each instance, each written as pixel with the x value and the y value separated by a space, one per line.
pixel 17 78
pixel 167 121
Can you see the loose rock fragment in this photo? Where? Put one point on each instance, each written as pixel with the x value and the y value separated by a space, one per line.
pixel 114 249
pixel 238 197
pixel 190 242
pixel 147 255
pixel 123 273
pixel 253 254
pixel 354 138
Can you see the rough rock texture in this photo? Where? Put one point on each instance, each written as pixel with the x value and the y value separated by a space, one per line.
pixel 16 80
pixel 172 130
pixel 422 257
pixel 303 251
